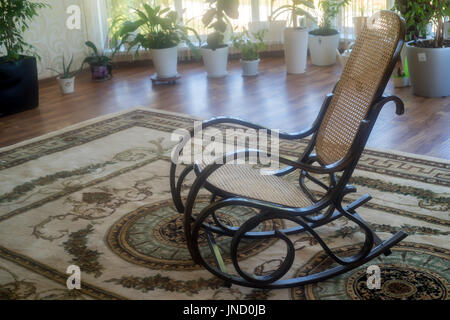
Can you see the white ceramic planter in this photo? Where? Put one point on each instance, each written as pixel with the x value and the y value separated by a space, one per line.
pixel 323 49
pixel 429 70
pixel 250 68
pixel 215 61
pixel 165 62
pixel 295 49
pixel 67 85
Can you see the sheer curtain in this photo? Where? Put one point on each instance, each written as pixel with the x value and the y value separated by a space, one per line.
pixel 96 20
pixel 102 12
pixel 349 17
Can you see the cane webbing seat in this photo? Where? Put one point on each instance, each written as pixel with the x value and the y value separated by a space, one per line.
pixel 255 185
pixel 358 86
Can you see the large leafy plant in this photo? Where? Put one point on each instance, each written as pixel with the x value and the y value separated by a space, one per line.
pixel 418 14
pixel 156 28
pixel 15 16
pixel 329 10
pixel 295 9
pixel 249 44
pixel 440 9
pixel 96 58
pixel 116 41
pixel 217 17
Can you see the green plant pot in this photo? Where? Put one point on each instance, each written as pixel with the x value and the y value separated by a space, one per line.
pixel 19 87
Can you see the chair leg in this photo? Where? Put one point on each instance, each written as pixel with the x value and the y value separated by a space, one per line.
pixel 365 198
pixel 176 185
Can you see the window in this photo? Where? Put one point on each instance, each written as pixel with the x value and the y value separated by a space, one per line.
pixel 358 8
pixel 249 11
pixel 193 10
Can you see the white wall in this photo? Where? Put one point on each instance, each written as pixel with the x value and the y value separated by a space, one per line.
pixel 52 39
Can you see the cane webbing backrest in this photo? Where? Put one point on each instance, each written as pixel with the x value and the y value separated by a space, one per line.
pixel 357 88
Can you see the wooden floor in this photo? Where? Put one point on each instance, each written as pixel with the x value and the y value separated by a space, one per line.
pixel 274 99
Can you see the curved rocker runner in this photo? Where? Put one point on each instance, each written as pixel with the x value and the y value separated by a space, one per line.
pixel 338 138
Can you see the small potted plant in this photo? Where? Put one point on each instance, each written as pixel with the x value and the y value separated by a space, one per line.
pixel 428 59
pixel 324 41
pixel 18 65
pixel 217 18
pixel 295 37
pixel 100 63
pixel 159 31
pixel 66 78
pixel 249 45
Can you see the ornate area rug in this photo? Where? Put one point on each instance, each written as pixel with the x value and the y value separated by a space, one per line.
pixel 97 195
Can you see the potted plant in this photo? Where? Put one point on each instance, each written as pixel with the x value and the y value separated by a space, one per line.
pixel 428 59
pixel 324 41
pixel 159 31
pixel 217 18
pixel 66 78
pixel 100 63
pixel 18 68
pixel 249 45
pixel 295 37
pixel 359 22
pixel 416 14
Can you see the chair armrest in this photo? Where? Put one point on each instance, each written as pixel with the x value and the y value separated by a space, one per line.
pixel 282 135
pixel 232 120
pixel 379 104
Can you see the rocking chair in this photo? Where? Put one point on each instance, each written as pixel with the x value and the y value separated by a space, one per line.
pixel 339 135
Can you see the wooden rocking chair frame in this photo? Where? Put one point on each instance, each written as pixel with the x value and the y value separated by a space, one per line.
pixel 321 212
